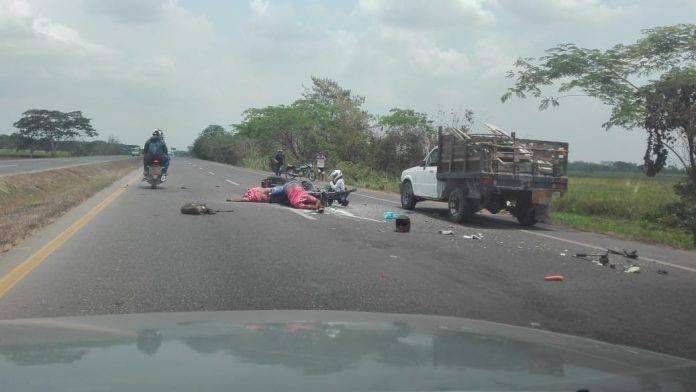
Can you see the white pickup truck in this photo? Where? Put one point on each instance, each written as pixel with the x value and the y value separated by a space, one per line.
pixel 496 172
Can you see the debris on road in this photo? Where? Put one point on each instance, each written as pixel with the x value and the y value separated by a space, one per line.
pixel 183 187
pixel 565 252
pixel 662 272
pixel 389 216
pixel 477 236
pixel 631 254
pixel 554 278
pixel 632 269
pixel 445 232
pixel 403 224
pixel 393 256
pixel 535 325
pixel 196 208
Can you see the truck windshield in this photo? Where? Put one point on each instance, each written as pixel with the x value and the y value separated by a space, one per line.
pixel 433 157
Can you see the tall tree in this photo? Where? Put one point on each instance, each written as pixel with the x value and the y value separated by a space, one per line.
pixel 649 84
pixel 407 135
pixel 619 77
pixel 52 126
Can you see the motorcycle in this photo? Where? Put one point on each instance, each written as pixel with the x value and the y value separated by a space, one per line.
pixel 299 170
pixel 154 173
pixel 329 196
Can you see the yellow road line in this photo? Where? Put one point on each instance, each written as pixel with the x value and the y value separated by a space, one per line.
pixel 22 270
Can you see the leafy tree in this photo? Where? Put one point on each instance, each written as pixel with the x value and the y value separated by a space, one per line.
pixel 51 126
pixel 649 84
pixel 407 136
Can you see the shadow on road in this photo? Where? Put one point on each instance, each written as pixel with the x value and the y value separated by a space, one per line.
pixel 483 220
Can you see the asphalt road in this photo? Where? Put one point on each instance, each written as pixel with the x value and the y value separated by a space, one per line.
pixel 14 166
pixel 141 255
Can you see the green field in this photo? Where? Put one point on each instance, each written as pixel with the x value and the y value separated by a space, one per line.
pixel 7 153
pixel 621 204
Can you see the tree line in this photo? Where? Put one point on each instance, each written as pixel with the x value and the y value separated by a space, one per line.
pixel 52 130
pixel 327 118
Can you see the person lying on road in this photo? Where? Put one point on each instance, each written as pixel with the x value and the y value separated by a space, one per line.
pixel 292 193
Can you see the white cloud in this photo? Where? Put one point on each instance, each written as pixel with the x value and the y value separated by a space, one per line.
pixel 259 7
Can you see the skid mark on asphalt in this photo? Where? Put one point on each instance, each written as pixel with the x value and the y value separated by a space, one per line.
pixel 604 249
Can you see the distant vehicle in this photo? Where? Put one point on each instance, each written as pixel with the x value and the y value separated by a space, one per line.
pixel 299 170
pixel 135 152
pixel 493 171
pixel 154 173
pixel 318 351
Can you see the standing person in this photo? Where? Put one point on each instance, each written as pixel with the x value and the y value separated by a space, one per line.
pixel 278 162
pixel 321 165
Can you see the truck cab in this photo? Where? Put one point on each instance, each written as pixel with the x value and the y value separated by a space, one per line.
pixel 494 172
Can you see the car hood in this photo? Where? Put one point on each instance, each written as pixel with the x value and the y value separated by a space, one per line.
pixel 317 350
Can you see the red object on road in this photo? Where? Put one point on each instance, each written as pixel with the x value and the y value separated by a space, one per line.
pixel 554 278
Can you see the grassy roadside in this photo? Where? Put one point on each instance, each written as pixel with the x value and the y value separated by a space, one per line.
pixel 624 228
pixel 31 201
pixel 6 153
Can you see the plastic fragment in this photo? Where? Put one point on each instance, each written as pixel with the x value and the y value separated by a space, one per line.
pixel 445 232
pixel 632 269
pixel 554 278
pixel 389 216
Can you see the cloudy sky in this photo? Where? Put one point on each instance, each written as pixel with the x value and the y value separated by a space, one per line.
pixel 134 65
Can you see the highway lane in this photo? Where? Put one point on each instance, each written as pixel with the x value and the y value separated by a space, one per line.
pixel 141 255
pixel 14 166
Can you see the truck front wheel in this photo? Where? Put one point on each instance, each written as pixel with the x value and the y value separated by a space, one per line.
pixel 408 199
pixel 460 208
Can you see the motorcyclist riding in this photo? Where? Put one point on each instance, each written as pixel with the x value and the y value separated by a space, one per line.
pixel 156 147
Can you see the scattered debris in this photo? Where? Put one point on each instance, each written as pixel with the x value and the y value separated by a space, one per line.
pixel 445 232
pixel 389 216
pixel 554 278
pixel 535 325
pixel 217 186
pixel 662 272
pixel 477 236
pixel 565 252
pixel 632 269
pixel 631 254
pixel 183 187
pixel 393 256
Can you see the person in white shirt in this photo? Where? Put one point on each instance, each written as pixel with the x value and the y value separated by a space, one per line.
pixel 337 183
pixel 321 165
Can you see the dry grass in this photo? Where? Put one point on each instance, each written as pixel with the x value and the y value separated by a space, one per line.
pixel 31 201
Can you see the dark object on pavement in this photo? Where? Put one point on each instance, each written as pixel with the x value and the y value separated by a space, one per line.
pixel 270 182
pixel 631 254
pixel 199 209
pixel 196 209
pixel 329 196
pixel 662 272
pixel 604 259
pixel 403 224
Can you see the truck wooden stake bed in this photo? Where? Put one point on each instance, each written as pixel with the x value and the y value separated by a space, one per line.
pixel 492 171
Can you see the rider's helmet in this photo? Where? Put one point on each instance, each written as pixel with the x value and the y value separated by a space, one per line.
pixel 158 133
pixel 335 175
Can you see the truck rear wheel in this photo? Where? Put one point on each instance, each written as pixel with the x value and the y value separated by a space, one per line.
pixel 460 208
pixel 408 199
pixel 527 216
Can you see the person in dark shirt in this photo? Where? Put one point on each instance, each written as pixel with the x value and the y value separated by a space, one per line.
pixel 278 162
pixel 156 147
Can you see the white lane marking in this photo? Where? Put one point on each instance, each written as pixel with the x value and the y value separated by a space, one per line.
pixel 231 182
pixel 302 213
pixel 350 215
pixel 211 173
pixel 377 198
pixel 601 248
pixel 8 166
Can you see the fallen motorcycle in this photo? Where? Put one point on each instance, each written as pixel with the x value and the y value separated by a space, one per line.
pixel 299 170
pixel 329 196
